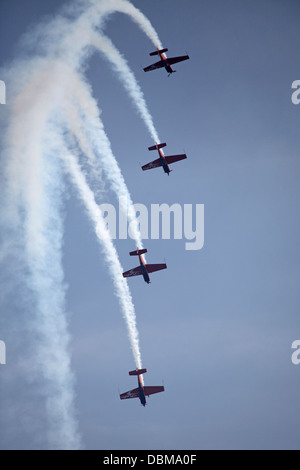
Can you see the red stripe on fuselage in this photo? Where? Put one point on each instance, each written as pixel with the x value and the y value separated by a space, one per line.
pixel 164 59
pixel 161 155
pixel 142 263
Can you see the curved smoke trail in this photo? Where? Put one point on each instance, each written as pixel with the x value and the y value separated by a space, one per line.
pixel 107 7
pixel 87 117
pixel 120 65
pixel 121 286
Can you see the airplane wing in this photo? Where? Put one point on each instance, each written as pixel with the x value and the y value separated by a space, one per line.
pixel 157 65
pixel 151 390
pixel 174 60
pixel 154 164
pixel 151 268
pixel 175 158
pixel 131 394
pixel 133 272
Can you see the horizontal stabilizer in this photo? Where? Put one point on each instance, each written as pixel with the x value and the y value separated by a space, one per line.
pixel 161 51
pixel 138 372
pixel 157 146
pixel 138 252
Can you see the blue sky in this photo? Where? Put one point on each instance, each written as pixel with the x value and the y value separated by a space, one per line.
pixel 217 326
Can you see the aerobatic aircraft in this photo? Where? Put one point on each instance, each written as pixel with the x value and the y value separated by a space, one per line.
pixel 142 391
pixel 165 61
pixel 143 269
pixel 163 160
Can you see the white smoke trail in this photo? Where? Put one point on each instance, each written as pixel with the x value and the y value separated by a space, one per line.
pixel 85 123
pixel 80 92
pixel 74 48
pixel 106 7
pixel 121 286
pixel 34 193
pixel 105 45
pixel 34 189
pixel 91 16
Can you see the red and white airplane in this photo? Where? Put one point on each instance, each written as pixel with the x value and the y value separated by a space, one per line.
pixel 142 391
pixel 163 160
pixel 143 269
pixel 165 61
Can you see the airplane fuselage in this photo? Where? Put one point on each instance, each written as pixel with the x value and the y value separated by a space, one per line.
pixel 163 162
pixel 166 63
pixel 141 392
pixel 144 270
pixel 168 68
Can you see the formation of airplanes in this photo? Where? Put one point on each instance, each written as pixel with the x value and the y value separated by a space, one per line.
pixel 164 161
pixel 144 269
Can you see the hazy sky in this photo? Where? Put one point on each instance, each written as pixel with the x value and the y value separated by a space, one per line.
pixel 217 326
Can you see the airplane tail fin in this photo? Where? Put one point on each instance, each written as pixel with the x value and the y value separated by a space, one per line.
pixel 138 252
pixel 157 146
pixel 138 372
pixel 158 51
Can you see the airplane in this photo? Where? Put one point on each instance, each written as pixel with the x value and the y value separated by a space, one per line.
pixel 143 269
pixel 163 160
pixel 165 61
pixel 142 391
